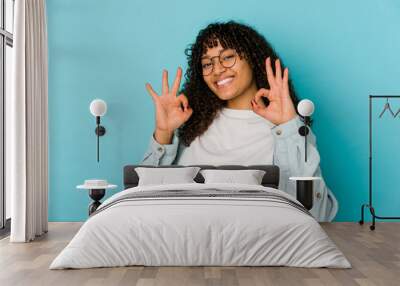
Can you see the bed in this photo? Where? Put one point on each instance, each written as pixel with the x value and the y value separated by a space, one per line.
pixel 201 224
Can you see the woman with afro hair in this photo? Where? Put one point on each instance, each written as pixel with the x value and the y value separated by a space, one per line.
pixel 237 107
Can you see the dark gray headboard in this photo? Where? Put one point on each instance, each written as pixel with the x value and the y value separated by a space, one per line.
pixel 270 179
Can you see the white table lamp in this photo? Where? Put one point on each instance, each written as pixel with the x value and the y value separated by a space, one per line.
pixel 304 185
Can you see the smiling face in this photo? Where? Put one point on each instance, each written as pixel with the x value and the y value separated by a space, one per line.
pixel 232 83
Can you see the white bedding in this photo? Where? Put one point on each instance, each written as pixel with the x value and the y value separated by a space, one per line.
pixel 200 231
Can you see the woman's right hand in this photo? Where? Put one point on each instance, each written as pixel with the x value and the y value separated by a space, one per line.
pixel 171 110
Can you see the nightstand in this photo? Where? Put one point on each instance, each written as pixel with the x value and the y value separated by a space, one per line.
pixel 97 190
pixel 305 190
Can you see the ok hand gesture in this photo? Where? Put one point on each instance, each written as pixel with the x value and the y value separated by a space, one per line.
pixel 280 108
pixel 171 110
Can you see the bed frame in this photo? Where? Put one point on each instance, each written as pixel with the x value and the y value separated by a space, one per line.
pixel 270 179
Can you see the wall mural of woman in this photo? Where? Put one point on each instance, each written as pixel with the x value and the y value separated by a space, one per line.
pixel 238 107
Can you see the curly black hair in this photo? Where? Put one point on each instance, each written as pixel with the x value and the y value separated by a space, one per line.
pixel 249 44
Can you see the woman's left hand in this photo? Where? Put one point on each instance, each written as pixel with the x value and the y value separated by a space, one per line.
pixel 280 108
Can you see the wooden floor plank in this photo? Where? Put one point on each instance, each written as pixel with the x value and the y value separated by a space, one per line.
pixel 374 255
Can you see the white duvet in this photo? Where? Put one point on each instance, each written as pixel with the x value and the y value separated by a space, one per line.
pixel 200 231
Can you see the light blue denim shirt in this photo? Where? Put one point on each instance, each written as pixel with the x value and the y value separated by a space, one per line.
pixel 288 155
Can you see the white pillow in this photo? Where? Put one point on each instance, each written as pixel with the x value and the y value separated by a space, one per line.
pixel 248 177
pixel 162 176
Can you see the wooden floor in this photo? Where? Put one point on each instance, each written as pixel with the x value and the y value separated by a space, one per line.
pixel 375 257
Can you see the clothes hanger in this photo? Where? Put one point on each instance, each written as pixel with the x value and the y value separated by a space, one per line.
pixel 397 112
pixel 387 106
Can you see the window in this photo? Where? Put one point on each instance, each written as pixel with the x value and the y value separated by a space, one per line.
pixel 6 60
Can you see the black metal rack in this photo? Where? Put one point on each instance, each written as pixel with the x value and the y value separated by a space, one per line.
pixel 369 205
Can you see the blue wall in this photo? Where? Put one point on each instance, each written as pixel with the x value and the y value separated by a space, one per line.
pixel 338 53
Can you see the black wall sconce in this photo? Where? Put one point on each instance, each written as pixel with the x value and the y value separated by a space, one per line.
pixel 98 108
pixel 305 109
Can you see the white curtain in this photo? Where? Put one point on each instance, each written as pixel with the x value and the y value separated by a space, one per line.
pixel 27 124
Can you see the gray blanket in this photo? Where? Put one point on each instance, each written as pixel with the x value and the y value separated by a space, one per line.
pixel 206 194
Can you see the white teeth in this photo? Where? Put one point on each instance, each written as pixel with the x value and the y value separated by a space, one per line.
pixel 224 81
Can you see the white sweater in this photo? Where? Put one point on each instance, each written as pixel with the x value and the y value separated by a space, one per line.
pixel 237 137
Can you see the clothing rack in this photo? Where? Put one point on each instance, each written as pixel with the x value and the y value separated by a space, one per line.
pixel 369 205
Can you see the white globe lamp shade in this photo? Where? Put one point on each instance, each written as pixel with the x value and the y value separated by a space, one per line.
pixel 98 107
pixel 305 107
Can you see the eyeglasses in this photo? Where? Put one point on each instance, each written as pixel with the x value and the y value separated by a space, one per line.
pixel 227 58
